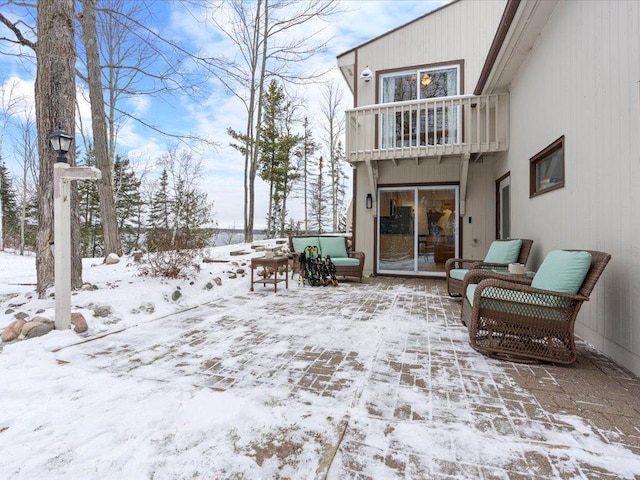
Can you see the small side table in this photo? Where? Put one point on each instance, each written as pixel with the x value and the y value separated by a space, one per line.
pixel 273 263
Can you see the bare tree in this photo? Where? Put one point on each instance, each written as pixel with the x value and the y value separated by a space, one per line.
pixel 27 148
pixel 9 100
pixel 98 124
pixel 262 34
pixel 333 130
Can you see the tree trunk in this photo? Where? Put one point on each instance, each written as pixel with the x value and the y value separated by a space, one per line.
pixel 55 93
pixel 99 128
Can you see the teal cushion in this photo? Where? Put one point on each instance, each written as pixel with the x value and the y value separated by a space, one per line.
pixel 345 261
pixel 504 251
pixel 300 243
pixel 333 246
pixel 458 273
pixel 563 271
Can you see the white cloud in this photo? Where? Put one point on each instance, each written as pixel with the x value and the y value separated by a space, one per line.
pixel 216 110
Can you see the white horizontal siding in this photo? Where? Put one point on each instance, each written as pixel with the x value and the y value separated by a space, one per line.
pixel 462 30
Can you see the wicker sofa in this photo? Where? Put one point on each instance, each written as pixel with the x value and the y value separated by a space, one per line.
pixel 348 263
pixel 531 318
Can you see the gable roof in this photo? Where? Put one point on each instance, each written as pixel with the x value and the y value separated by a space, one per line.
pixel 397 28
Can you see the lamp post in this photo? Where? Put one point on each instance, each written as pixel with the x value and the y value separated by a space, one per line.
pixel 63 174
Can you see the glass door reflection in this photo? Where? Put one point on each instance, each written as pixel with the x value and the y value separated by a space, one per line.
pixel 417 229
pixel 396 231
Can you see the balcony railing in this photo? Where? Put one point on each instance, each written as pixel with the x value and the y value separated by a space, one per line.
pixel 433 127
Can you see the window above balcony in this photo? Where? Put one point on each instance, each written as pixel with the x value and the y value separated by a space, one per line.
pixel 417 125
pixel 419 83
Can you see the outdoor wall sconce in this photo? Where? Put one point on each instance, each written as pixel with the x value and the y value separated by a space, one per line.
pixel 60 142
pixel 366 74
pixel 369 202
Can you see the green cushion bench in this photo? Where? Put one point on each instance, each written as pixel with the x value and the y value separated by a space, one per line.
pixel 348 263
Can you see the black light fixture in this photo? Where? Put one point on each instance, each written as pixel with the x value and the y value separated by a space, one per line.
pixel 369 202
pixel 60 142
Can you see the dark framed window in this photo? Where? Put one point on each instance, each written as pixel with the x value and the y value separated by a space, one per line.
pixel 546 169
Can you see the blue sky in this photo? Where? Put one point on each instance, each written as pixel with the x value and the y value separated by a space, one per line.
pixel 212 114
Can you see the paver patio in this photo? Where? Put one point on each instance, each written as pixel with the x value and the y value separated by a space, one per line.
pixel 377 381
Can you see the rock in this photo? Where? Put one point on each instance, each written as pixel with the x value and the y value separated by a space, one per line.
pixel 40 319
pixel 239 271
pixel 232 275
pixel 217 281
pixel 9 311
pixel 38 330
pixel 89 287
pixel 111 259
pixel 12 331
pixel 79 322
pixel 176 295
pixel 21 316
pixel 209 286
pixel 101 311
pixel 40 310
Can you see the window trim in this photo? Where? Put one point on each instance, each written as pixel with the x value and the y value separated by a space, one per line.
pixel 459 64
pixel 534 189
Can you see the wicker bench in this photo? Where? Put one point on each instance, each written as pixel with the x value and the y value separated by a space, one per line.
pixel 348 263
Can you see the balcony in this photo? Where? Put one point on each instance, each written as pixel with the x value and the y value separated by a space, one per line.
pixel 464 124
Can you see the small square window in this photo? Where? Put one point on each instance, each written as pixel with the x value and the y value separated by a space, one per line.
pixel 546 169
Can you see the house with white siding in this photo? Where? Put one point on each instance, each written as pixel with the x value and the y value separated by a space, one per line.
pixel 495 119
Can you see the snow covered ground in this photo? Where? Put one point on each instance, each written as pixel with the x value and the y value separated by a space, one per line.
pixel 376 380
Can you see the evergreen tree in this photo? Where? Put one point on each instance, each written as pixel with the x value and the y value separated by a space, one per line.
pixel 159 213
pixel 307 165
pixel 319 212
pixel 10 217
pixel 128 201
pixel 275 164
pixel 91 236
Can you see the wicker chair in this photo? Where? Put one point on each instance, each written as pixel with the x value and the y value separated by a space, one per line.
pixel 525 323
pixel 454 285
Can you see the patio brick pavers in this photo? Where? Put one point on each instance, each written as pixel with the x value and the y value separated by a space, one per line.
pixel 416 403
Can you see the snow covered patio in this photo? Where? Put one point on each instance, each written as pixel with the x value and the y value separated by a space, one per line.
pixel 362 381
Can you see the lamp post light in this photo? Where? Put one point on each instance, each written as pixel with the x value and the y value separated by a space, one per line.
pixel 63 174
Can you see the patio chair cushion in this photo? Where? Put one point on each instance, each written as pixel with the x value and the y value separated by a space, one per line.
pixel 345 261
pixel 300 243
pixel 504 251
pixel 333 246
pixel 458 273
pixel 562 271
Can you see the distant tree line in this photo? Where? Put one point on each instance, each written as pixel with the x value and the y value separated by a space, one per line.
pixel 168 212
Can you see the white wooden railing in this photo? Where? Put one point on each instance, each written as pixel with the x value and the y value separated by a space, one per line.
pixel 433 127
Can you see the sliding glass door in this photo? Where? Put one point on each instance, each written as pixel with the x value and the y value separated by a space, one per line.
pixel 417 229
